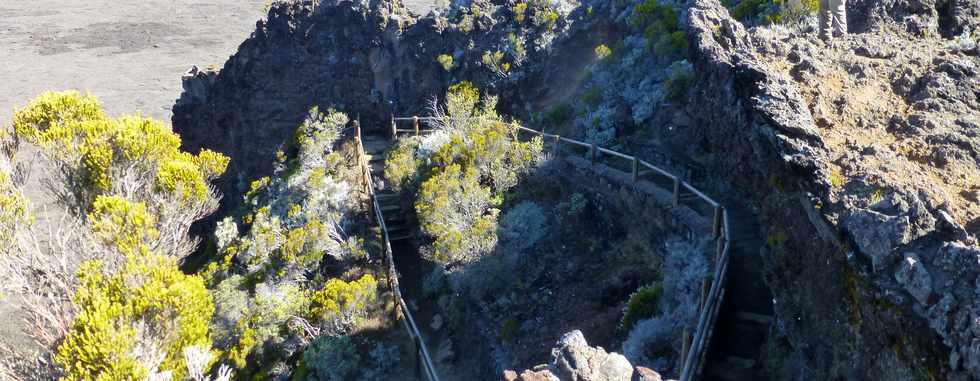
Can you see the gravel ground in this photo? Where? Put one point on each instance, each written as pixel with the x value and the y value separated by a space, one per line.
pixel 130 54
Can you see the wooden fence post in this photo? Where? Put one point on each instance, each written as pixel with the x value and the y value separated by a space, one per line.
pixel 717 222
pixel 704 295
pixel 394 128
pixel 418 357
pixel 677 191
pixel 721 249
pixel 684 346
pixel 593 153
pixel 636 169
pixel 557 143
pixel 415 121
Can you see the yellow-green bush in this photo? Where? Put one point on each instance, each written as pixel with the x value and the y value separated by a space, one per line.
pixel 96 150
pixel 148 304
pixel 602 52
pixel 495 62
pixel 446 61
pixel 464 174
pixel 123 224
pixel 544 16
pixel 454 209
pixel 15 211
pixel 492 148
pixel 339 304
pixel 52 108
pixel 401 165
pixel 520 12
pixel 462 98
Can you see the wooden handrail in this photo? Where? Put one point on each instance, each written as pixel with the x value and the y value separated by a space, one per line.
pixel 694 357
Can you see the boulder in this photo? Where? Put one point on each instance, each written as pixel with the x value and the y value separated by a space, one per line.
pixel 538 375
pixel 575 360
pixel 958 259
pixel 912 275
pixel 877 235
pixel 646 374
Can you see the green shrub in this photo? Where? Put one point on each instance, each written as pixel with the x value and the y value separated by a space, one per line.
pixel 642 304
pixel 678 84
pixel 515 46
pixel 774 11
pixel 661 28
pixel 560 114
pixel 467 170
pixel 777 239
pixel 53 108
pixel 331 358
pixel 464 96
pixel 508 330
pixel 748 9
pixel 592 96
pixel 124 225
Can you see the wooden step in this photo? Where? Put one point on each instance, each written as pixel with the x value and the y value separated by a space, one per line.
pixel 394 218
pixel 739 362
pixel 400 232
pixel 387 196
pixel 375 145
pixel 753 317
pixel 402 237
pixel 391 208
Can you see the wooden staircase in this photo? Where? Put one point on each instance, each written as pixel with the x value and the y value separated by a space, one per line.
pixel 375 147
pixel 746 313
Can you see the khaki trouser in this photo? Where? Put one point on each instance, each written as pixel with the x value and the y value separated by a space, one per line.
pixel 833 18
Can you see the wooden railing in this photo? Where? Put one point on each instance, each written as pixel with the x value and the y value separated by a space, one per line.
pixel 695 348
pixel 423 364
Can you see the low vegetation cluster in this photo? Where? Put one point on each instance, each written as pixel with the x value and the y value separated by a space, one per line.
pixel 288 282
pixel 495 217
pixel 461 173
pixel 756 12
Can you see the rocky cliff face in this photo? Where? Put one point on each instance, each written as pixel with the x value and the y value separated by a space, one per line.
pixel 371 60
pixel 863 220
pixel 861 157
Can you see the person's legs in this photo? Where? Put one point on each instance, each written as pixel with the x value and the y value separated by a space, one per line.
pixel 826 19
pixel 840 17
